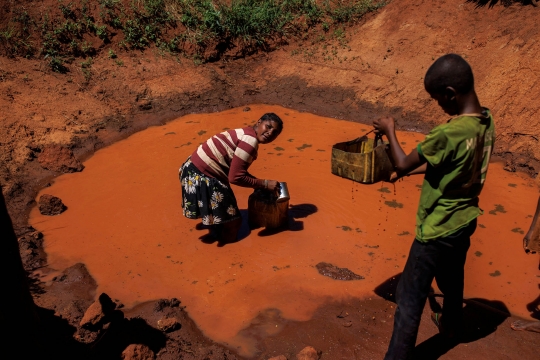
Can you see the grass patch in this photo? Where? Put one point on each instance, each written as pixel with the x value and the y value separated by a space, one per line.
pixel 202 30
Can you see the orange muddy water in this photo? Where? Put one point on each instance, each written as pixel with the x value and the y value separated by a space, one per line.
pixel 124 221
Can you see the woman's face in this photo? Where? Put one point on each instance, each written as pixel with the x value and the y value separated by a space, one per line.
pixel 267 131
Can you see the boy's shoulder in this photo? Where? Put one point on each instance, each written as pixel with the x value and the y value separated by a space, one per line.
pixel 463 125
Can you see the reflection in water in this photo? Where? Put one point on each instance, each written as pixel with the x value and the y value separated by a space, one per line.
pixel 125 223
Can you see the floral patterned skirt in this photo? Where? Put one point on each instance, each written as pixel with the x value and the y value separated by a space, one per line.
pixel 206 197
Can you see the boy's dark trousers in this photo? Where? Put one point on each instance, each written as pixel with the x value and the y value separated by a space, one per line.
pixel 444 260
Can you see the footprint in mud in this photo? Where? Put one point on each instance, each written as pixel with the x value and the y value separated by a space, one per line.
pixel 226 128
pixel 498 209
pixel 482 226
pixel 518 230
pixel 478 253
pixel 170 133
pixel 337 273
pixel 344 227
pixel 358 230
pixel 304 146
pixel 290 140
pixel 419 186
pixel 279 148
pixel 404 233
pixel 202 132
pixel 394 204
pixel 322 150
pixel 403 143
pixel 384 190
pixel 277 268
pixel 495 273
pixel 512 185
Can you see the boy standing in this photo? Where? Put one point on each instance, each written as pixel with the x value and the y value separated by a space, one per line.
pixel 454 157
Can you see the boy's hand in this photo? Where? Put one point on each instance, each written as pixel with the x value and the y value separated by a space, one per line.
pixel 394 177
pixel 384 125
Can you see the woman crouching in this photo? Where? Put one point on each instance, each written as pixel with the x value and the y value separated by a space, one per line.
pixel 222 160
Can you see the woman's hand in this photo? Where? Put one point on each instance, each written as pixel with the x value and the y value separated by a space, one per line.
pixel 273 185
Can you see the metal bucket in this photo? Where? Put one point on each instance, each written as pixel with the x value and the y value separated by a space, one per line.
pixel 283 192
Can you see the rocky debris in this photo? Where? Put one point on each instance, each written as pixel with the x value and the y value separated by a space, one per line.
pixel 337 273
pixel 98 313
pixel 58 158
pixel 168 324
pixel 145 105
pixel 137 352
pixel 51 205
pixel 308 353
pixel 31 249
pixel 246 109
pixel 164 303
pixel 279 357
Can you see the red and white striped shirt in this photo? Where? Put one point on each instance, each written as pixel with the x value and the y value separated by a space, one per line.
pixel 228 155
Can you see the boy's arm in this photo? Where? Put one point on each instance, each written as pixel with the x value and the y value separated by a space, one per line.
pixel 419 170
pixel 404 164
pixel 527 238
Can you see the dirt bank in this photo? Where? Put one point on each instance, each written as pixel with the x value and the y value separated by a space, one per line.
pixel 371 68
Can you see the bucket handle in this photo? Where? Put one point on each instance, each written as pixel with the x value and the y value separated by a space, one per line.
pixel 358 139
pixel 378 139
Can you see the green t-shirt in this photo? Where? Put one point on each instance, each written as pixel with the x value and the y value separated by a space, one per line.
pixel 457 155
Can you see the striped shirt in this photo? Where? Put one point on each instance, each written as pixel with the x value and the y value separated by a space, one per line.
pixel 228 155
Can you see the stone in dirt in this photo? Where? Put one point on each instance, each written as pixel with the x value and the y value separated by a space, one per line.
pixel 308 353
pixel 51 205
pixel 30 247
pixel 337 273
pixel 163 303
pixel 58 158
pixel 98 313
pixel 137 352
pixel 168 324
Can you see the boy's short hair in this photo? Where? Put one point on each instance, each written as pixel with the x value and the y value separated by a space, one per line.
pixel 272 117
pixel 449 70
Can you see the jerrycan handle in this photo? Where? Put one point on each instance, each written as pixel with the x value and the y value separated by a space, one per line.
pixel 378 140
pixel 361 138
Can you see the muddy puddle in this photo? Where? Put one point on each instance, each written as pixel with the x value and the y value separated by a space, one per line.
pixel 125 223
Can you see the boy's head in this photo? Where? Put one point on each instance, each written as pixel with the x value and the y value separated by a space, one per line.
pixel 447 80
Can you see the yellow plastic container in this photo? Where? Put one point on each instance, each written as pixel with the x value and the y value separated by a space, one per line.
pixel 363 160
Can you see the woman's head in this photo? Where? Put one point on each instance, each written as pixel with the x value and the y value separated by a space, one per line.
pixel 268 127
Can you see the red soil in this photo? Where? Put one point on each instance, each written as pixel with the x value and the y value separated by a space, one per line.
pixel 124 222
pixel 377 68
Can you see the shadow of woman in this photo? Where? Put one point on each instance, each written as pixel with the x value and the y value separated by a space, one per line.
pixel 299 211
pixel 214 231
pixel 481 317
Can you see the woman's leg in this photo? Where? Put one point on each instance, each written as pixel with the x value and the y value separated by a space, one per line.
pixel 230 230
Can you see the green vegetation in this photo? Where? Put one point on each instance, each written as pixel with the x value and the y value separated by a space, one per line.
pixel 202 30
